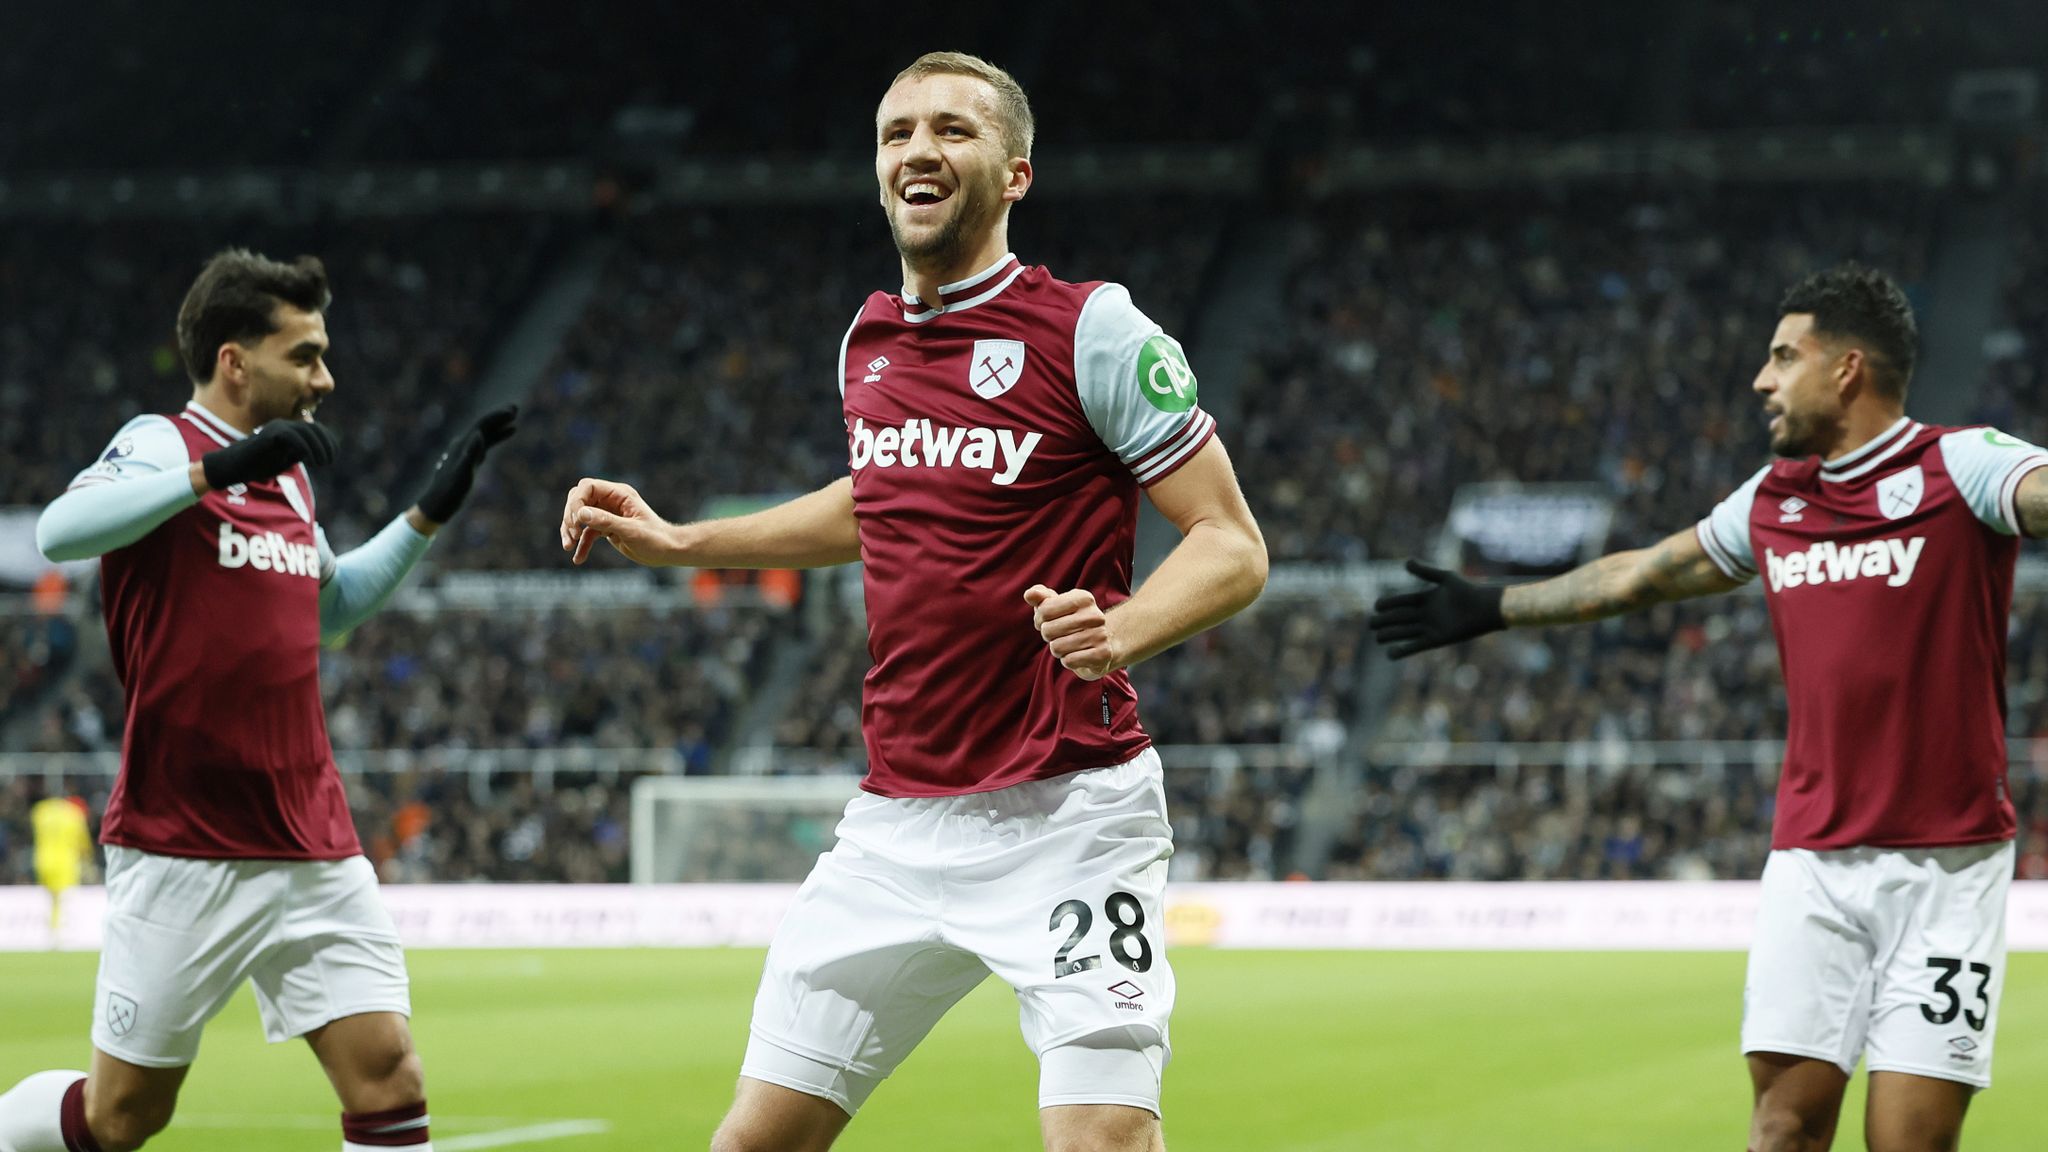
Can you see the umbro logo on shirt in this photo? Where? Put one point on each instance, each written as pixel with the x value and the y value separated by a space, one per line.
pixel 1789 510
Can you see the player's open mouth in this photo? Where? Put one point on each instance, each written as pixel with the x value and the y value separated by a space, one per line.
pixel 924 192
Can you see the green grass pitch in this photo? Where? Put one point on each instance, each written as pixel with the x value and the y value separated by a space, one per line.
pixel 1276 1052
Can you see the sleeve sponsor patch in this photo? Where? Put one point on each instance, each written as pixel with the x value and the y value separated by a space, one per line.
pixel 1164 376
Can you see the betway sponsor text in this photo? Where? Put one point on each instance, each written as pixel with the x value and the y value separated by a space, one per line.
pixel 267 552
pixel 920 443
pixel 1830 563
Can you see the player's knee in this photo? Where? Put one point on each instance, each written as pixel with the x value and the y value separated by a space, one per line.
pixel 123 1122
pixel 1929 1136
pixel 393 1077
pixel 407 1080
pixel 1777 1128
pixel 380 1077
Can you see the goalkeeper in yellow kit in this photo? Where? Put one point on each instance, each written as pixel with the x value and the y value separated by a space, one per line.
pixel 63 845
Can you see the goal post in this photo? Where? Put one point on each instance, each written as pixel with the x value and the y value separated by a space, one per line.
pixel 734 828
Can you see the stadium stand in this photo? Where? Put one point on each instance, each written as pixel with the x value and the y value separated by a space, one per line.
pixel 1595 331
pixel 92 311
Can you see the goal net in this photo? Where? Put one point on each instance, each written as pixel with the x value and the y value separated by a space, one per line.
pixel 734 828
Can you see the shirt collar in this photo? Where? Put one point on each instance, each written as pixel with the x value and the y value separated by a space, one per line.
pixel 966 293
pixel 1880 447
pixel 206 416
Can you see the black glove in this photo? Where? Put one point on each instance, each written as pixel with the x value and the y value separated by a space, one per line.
pixel 1450 610
pixel 275 447
pixel 456 471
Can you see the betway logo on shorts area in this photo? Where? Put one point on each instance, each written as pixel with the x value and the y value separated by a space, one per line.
pixel 922 444
pixel 1830 563
pixel 267 552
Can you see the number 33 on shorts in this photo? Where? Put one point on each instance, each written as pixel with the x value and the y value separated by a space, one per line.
pixel 1948 1003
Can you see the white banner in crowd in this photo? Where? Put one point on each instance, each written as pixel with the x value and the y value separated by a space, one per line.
pixel 1575 916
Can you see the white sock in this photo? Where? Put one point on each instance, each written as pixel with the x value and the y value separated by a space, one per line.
pixel 31 1113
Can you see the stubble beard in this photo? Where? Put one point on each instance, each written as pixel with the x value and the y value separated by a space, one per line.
pixel 289 398
pixel 1799 436
pixel 945 247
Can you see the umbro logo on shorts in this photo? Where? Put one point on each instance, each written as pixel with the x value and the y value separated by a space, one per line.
pixel 121 1013
pixel 1127 993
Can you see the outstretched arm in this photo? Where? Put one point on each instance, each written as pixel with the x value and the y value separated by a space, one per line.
pixel 1451 610
pixel 815 530
pixel 1676 568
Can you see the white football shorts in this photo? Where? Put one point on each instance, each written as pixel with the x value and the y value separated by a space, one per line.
pixel 1056 886
pixel 183 934
pixel 1893 954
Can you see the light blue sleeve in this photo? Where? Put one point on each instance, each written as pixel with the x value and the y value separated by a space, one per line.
pixel 1725 531
pixel 138 483
pixel 1987 467
pixel 1136 387
pixel 356 583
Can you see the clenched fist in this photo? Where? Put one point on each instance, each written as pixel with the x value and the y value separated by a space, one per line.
pixel 1075 629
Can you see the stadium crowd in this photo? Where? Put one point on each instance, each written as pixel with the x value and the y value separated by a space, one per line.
pixel 1475 336
pixel 34 651
pixel 417 304
pixel 703 367
pixel 1596 333
pixel 625 678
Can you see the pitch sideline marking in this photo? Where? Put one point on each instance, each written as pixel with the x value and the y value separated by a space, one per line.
pixel 536 1134
pixel 503 1138
pixel 285 1122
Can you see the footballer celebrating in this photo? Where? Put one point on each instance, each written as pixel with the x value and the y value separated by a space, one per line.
pixel 1887 549
pixel 1000 427
pixel 230 852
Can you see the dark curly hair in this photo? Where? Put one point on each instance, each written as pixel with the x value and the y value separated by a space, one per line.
pixel 235 300
pixel 1852 302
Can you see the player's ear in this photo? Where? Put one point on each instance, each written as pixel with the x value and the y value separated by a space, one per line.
pixel 227 363
pixel 1853 365
pixel 1020 179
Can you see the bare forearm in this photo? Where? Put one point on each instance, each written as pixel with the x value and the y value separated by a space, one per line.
pixel 1608 586
pixel 1675 569
pixel 812 531
pixel 1213 574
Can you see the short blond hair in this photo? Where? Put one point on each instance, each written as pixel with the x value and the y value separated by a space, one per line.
pixel 1013 108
